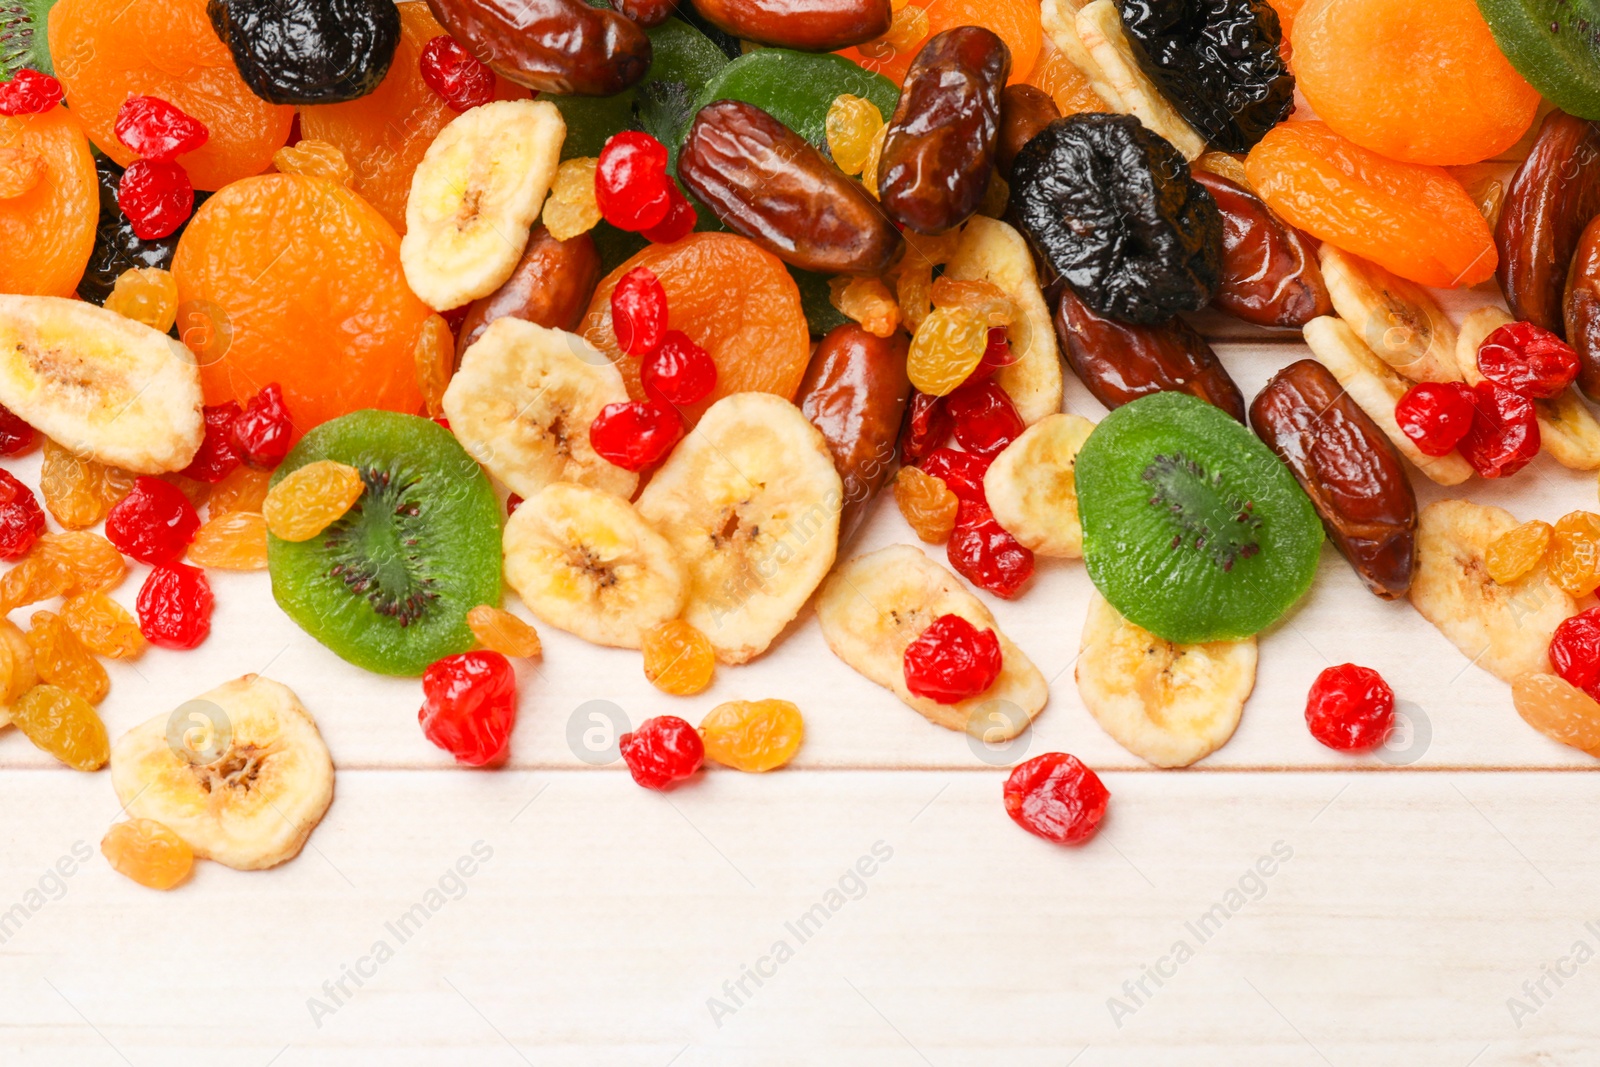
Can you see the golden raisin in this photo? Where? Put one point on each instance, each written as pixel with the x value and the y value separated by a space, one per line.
pixel 1575 553
pixel 60 564
pixel 678 658
pixel 194 489
pixel 502 632
pixel 314 159
pixel 146 294
pixel 311 499
pixel 1517 551
pixel 753 735
pixel 932 250
pixel 869 168
pixel 63 724
pixel 571 208
pixel 435 355
pixel 17 675
pixel 243 490
pixel 78 491
pixel 63 660
pixel 946 349
pixel 1559 710
pixel 927 504
pixel 852 123
pixel 147 852
pixel 104 626
pixel 1226 166
pixel 867 301
pixel 983 298
pixel 233 541
pixel 912 290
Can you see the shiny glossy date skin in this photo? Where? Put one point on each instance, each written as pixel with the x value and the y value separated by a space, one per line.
pixel 855 392
pixel 764 181
pixel 1348 468
pixel 1024 111
pixel 804 25
pixel 554 46
pixel 943 135
pixel 1550 200
pixel 1120 361
pixel 1582 309
pixel 646 13
pixel 551 287
pixel 1270 274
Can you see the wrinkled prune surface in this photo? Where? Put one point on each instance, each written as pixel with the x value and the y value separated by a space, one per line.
pixel 308 51
pixel 1111 206
pixel 1218 61
pixel 116 247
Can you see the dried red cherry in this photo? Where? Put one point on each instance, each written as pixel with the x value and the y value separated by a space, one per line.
pixel 29 93
pixel 1056 797
pixel 928 426
pixel 962 471
pixel 639 312
pixel 679 222
pixel 216 458
pixel 663 750
pixel 679 371
pixel 986 420
pixel 469 705
pixel 1350 708
pixel 1575 651
pixel 154 523
pixel 16 436
pixel 952 660
pixel 453 73
pixel 261 435
pixel 157 130
pixel 1504 434
pixel 997 353
pixel 986 555
pixel 631 185
pixel 157 198
pixel 635 434
pixel 1529 361
pixel 1435 415
pixel 174 606
pixel 21 519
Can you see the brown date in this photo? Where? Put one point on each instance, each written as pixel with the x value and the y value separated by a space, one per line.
pixel 1582 309
pixel 1550 200
pixel 855 391
pixel 1024 111
pixel 554 46
pixel 1270 274
pixel 766 182
pixel 804 25
pixel 941 141
pixel 646 13
pixel 1120 361
pixel 551 287
pixel 1348 468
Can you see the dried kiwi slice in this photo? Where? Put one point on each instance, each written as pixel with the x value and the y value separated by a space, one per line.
pixel 1191 528
pixel 22 37
pixel 388 586
pixel 1555 44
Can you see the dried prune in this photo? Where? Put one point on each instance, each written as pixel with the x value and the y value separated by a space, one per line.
pixel 1220 62
pixel 554 46
pixel 308 51
pixel 116 247
pixel 1112 207
pixel 1270 273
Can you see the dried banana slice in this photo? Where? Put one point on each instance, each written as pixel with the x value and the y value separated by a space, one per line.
pixel 1032 489
pixel 1399 320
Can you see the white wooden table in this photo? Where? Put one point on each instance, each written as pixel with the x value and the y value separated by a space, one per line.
pixel 1278 903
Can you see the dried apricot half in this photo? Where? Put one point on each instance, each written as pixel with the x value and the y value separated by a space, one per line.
pixel 47 227
pixel 1016 22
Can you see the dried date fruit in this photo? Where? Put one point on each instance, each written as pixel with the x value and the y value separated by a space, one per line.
pixel 764 181
pixel 1348 468
pixel 646 13
pixel 1581 307
pixel 1024 111
pixel 554 46
pixel 1119 361
pixel 1220 63
pixel 1552 197
pixel 551 287
pixel 1113 209
pixel 308 51
pixel 855 392
pixel 804 25
pixel 1270 274
pixel 940 146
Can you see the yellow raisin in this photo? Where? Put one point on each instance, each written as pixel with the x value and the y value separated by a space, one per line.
pixel 867 301
pixel 60 564
pixel 1226 166
pixel 233 541
pixel 932 250
pixel 314 159
pixel 678 658
pixel 1575 553
pixel 983 298
pixel 869 167
pixel 502 632
pixel 147 852
pixel 912 290
pixel 852 123
pixel 753 735
pixel 63 660
pixel 146 294
pixel 17 675
pixel 78 491
pixel 311 499
pixel 1559 710
pixel 927 504
pixel 571 208
pixel 104 626
pixel 243 490
pixel 194 489
pixel 435 355
pixel 907 29
pixel 1518 550
pixel 63 724
pixel 946 349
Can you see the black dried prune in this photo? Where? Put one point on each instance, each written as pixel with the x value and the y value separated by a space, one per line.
pixel 1112 208
pixel 308 51
pixel 1220 62
pixel 116 247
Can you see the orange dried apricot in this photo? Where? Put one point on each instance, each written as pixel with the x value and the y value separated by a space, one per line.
pixel 63 660
pixel 1575 553
pixel 47 225
pixel 1016 22
pixel 926 503
pixel 1559 710
pixel 753 735
pixel 147 852
pixel 678 658
pixel 305 277
pixel 502 632
pixel 104 53
pixel 1517 551
pixel 1415 220
pixel 105 627
pixel 732 298
pixel 233 541
pixel 311 498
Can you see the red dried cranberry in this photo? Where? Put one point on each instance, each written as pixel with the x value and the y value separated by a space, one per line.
pixel 1056 797
pixel 453 73
pixel 1350 708
pixel 16 436
pixel 679 371
pixel 154 523
pixel 997 353
pixel 469 705
pixel 1435 415
pixel 156 197
pixel 513 502
pixel 962 471
pixel 1504 434
pixel 157 130
pixel 639 312
pixel 1575 651
pixel 663 750
pixel 635 434
pixel 440 420
pixel 1529 361
pixel 174 606
pixel 631 185
pixel 679 222
pixel 21 520
pixel 29 93
pixel 928 426
pixel 952 660
pixel 261 435
pixel 986 555
pixel 985 419
pixel 216 458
